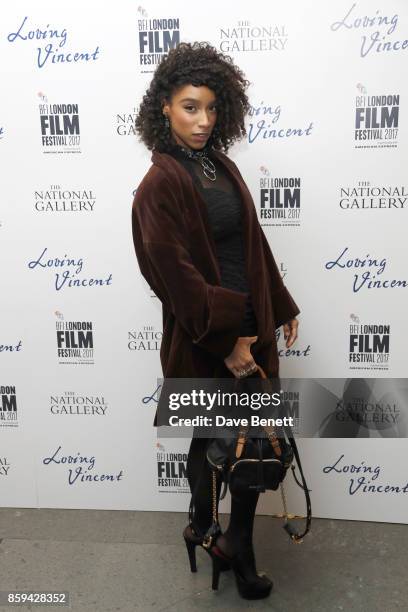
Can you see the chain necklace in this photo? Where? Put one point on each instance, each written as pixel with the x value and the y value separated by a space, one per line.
pixel 202 157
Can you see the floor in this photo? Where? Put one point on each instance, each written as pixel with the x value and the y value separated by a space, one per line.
pixel 124 561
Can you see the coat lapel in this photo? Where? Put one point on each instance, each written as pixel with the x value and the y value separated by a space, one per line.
pixel 198 219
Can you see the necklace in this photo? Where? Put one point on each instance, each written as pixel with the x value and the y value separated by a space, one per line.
pixel 202 157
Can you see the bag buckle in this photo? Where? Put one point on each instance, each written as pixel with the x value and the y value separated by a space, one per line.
pixel 294 536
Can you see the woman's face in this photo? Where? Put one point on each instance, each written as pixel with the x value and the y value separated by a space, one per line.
pixel 192 114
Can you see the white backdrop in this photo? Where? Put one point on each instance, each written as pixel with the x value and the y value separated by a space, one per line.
pixel 76 426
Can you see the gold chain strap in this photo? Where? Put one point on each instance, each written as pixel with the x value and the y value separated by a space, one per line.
pixel 287 516
pixel 214 497
pixel 207 541
pixel 285 513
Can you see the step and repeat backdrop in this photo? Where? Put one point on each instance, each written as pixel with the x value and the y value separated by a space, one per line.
pixel 80 331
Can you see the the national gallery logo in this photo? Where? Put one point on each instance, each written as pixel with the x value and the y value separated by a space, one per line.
pixel 248 36
pixel 59 126
pixel 4 466
pixel 71 403
pixel 376 120
pixel 156 37
pixel 279 200
pixel 283 270
pixel 146 338
pixel 367 196
pixel 125 123
pixel 58 198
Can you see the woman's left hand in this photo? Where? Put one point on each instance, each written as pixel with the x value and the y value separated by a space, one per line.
pixel 290 330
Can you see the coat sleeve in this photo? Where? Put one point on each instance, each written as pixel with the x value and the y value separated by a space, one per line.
pixel 284 307
pixel 212 315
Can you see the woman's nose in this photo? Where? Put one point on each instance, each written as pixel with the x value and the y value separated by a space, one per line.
pixel 204 121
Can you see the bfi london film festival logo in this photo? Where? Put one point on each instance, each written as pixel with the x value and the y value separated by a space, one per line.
pixel 49 43
pixel 171 470
pixel 279 200
pixel 376 120
pixel 145 339
pixel 367 196
pixel 366 271
pixel 264 124
pixel 156 36
pixel 72 403
pixel 75 341
pixel 56 198
pixel 375 30
pixel 59 123
pixel 246 36
pixel 171 464
pixel 369 345
pixel 8 406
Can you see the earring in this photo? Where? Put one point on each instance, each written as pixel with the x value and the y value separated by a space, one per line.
pixel 166 122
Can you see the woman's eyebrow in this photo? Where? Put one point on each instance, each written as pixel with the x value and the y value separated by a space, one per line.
pixel 193 100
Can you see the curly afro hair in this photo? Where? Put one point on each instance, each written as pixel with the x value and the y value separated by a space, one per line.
pixel 197 64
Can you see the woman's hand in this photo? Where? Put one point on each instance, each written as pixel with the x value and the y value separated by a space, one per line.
pixel 241 357
pixel 290 330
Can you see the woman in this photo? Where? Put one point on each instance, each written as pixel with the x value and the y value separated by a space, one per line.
pixel 200 247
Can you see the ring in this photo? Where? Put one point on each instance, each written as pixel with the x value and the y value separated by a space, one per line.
pixel 243 373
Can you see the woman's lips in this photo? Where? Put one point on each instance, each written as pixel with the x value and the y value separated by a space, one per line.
pixel 200 136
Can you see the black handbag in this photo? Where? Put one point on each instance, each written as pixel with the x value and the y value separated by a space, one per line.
pixel 256 463
pixel 250 463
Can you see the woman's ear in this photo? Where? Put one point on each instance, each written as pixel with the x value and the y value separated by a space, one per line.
pixel 165 107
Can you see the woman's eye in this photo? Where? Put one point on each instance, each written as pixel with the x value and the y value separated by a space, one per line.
pixel 191 108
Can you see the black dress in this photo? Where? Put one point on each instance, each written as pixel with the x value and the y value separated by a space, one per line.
pixel 225 215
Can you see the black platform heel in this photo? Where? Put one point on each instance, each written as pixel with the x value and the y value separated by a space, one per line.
pixel 216 569
pixel 257 588
pixel 190 545
pixel 192 540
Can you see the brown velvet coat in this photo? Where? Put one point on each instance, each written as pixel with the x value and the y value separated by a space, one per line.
pixel 177 257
